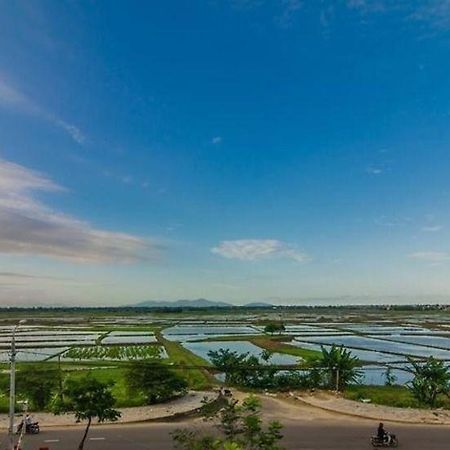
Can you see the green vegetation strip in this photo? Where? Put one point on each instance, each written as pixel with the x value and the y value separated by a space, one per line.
pixel 278 345
pixel 398 396
pixel 178 355
pixel 114 352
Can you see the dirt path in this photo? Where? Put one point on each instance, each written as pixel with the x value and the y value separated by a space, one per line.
pixel 325 405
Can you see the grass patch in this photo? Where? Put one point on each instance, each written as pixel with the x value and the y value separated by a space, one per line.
pixel 120 390
pixel 278 345
pixel 398 396
pixel 197 378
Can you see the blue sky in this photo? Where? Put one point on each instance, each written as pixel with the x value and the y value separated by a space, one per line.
pixel 237 150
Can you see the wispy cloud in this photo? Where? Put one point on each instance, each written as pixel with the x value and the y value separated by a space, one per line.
pixel 374 170
pixel 258 249
pixel 434 13
pixel 29 227
pixel 216 140
pixel 392 222
pixel 432 228
pixel 430 256
pixel 289 9
pixel 284 10
pixel 14 100
pixel 27 276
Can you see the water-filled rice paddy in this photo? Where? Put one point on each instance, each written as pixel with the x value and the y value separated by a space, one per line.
pixel 184 333
pixel 187 330
pixel 33 354
pixel 363 355
pixel 376 375
pixel 129 339
pixel 429 340
pixel 377 343
pixel 380 345
pixel 202 348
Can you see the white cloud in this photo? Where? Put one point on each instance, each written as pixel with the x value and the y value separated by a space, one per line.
pixel 216 140
pixel 14 100
pixel 29 227
pixel 432 228
pixel 373 170
pixel 257 249
pixel 432 257
pixel 434 13
pixel 385 221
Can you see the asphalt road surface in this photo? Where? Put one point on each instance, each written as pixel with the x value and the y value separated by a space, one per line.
pixel 305 428
pixel 305 436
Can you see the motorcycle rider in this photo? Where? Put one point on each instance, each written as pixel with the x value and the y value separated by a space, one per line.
pixel 28 421
pixel 381 432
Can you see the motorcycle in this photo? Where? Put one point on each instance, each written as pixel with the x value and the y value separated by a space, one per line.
pixel 390 440
pixel 32 428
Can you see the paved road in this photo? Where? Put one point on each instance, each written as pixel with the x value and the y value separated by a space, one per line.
pixel 305 436
pixel 305 428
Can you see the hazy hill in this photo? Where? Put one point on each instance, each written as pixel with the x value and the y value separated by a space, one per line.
pixel 197 303
pixel 258 305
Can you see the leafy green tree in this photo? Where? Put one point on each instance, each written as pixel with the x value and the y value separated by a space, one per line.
pixel 431 379
pixel 243 369
pixel 155 381
pixel 34 384
pixel 233 364
pixel 274 327
pixel 87 398
pixel 240 428
pixel 339 367
pixel 37 385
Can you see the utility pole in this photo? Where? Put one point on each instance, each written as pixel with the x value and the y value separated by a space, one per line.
pixel 12 388
pixel 60 381
pixel 24 425
pixel 12 385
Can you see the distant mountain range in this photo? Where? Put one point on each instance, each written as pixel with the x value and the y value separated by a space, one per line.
pixel 197 303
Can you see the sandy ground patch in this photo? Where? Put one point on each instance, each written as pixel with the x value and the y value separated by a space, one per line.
pixel 188 403
pixel 335 403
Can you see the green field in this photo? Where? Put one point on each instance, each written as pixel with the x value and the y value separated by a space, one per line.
pixel 179 356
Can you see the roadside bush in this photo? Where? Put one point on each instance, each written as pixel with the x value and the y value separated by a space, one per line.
pixel 240 427
pixel 155 381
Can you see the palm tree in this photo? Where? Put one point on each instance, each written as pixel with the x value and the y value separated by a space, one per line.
pixel 431 379
pixel 339 367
